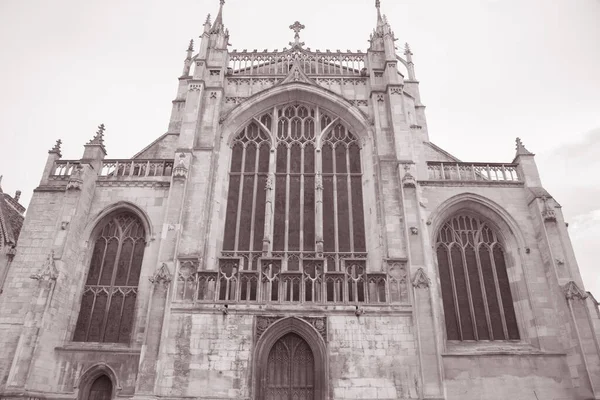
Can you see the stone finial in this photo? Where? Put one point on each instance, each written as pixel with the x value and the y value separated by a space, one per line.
pixel 76 178
pixel 407 50
pixel 162 275
pixel 521 150
pixel 421 281
pixel 191 45
pixel 207 22
pixel 572 291
pixel 99 137
pixel 17 195
pixel 218 26
pixel 180 171
pixel 48 271
pixel 548 213
pixel 56 148
pixel 297 27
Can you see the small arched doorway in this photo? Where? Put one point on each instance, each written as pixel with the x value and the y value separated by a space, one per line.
pixel 101 389
pixel 291 362
pixel 290 372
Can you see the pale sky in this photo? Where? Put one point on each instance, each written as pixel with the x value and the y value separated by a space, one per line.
pixel 490 70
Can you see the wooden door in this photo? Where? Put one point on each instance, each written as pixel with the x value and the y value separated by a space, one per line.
pixel 101 389
pixel 290 373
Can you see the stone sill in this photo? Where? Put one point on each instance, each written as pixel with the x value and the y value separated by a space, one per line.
pixel 98 347
pixel 471 183
pixel 499 348
pixel 296 309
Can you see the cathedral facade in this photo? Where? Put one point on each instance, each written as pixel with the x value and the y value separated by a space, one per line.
pixel 295 235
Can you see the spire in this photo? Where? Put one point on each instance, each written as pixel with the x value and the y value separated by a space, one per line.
pixel 218 25
pixel 99 137
pixel 56 148
pixel 191 45
pixel 521 150
pixel 381 30
pixel 207 24
pixel 379 18
pixel 407 52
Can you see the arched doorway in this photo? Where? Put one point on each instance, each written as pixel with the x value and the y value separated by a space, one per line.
pixel 101 389
pixel 290 372
pixel 290 362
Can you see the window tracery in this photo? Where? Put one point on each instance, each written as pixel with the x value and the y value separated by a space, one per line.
pixel 110 292
pixel 301 173
pixel 476 294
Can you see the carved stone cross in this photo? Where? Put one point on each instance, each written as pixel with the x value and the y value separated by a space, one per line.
pixel 297 27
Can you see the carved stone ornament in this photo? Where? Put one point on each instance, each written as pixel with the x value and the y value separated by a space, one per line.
pixel 264 322
pixel 572 292
pixel 48 271
pixel 180 171
pixel 414 230
pixel 162 276
pixel 76 179
pixel 12 252
pixel 409 180
pixel 548 213
pixel 270 182
pixel 195 87
pixel 421 281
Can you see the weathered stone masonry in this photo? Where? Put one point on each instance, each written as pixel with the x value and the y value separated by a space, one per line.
pixel 212 318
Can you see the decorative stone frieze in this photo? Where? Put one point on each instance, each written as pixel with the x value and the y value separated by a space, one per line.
pixel 264 322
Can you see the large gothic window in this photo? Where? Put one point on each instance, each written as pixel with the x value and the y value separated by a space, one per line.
pixel 478 304
pixel 109 297
pixel 300 201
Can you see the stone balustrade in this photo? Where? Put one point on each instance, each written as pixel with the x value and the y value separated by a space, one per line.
pixel 118 168
pixel 311 63
pixel 136 168
pixel 272 284
pixel 481 172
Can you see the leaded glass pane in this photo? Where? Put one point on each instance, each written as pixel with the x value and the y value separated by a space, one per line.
pixel 478 303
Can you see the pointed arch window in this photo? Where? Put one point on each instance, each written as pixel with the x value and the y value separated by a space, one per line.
pixel 303 199
pixel 478 303
pixel 110 292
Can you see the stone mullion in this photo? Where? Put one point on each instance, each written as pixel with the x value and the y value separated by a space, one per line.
pixel 454 292
pixel 254 193
pixel 488 318
pixel 350 209
pixel 301 239
pixel 336 235
pixel 287 205
pixel 240 199
pixel 469 294
pixel 269 204
pixel 319 202
pixel 498 293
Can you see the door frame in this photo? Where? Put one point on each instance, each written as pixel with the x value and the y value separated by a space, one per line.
pixel 314 340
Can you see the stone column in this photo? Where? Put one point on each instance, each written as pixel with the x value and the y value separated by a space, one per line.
pixel 161 290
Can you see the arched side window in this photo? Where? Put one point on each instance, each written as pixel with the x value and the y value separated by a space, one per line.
pixel 478 304
pixel 300 173
pixel 109 297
